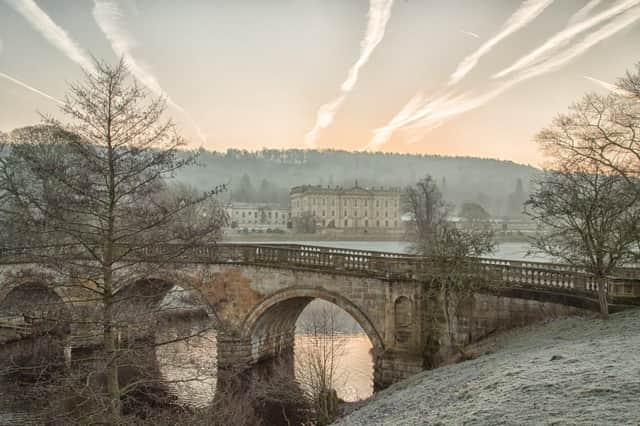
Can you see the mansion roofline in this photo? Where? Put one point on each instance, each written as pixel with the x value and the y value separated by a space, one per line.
pixel 339 190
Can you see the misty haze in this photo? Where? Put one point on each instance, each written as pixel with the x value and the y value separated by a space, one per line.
pixel 365 212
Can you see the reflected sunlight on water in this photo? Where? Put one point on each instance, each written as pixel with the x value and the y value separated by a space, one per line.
pixel 354 366
pixel 189 366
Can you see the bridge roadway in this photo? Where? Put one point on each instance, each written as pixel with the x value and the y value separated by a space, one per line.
pixel 256 292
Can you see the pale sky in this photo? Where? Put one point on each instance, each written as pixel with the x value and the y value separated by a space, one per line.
pixel 254 73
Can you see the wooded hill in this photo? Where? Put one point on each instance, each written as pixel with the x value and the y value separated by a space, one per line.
pixel 266 175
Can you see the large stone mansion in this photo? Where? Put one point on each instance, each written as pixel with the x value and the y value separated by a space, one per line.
pixel 356 207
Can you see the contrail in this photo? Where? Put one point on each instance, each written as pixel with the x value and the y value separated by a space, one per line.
pixel 560 59
pixel 31 88
pixel 469 33
pixel 608 86
pixel 107 15
pixel 430 114
pixel 378 16
pixel 434 111
pixel 383 134
pixel 527 12
pixel 563 37
pixel 55 35
pixel 584 11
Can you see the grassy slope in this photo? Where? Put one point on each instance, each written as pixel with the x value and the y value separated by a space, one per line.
pixel 572 371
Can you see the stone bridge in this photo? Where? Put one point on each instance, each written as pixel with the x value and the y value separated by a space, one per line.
pixel 255 294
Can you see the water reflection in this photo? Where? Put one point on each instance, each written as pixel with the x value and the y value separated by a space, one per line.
pixel 353 366
pixel 188 364
pixel 189 367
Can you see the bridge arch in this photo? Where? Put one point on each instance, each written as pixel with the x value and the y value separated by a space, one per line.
pixel 35 322
pixel 33 298
pixel 154 292
pixel 274 318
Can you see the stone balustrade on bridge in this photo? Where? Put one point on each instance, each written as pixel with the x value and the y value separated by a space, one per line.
pixel 624 282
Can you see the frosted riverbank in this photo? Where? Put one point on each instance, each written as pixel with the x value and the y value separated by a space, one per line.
pixel 571 371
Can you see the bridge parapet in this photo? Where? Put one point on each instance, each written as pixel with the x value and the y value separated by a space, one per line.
pixel 555 276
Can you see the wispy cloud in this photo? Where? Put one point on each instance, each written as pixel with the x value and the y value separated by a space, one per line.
pixel 608 86
pixel 470 33
pixel 584 11
pixel 425 114
pixel 527 12
pixel 378 16
pixel 55 35
pixel 108 16
pixel 565 36
pixel 30 88
pixel 383 134
pixel 565 56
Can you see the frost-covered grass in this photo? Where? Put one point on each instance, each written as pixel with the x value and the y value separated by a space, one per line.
pixel 571 371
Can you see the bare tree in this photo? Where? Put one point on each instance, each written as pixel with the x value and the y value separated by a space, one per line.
pixel 590 219
pixel 630 83
pixel 429 230
pixel 94 192
pixel 318 356
pixel 588 200
pixel 605 129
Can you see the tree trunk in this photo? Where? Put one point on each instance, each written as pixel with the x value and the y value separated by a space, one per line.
pixel 602 296
pixel 110 347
